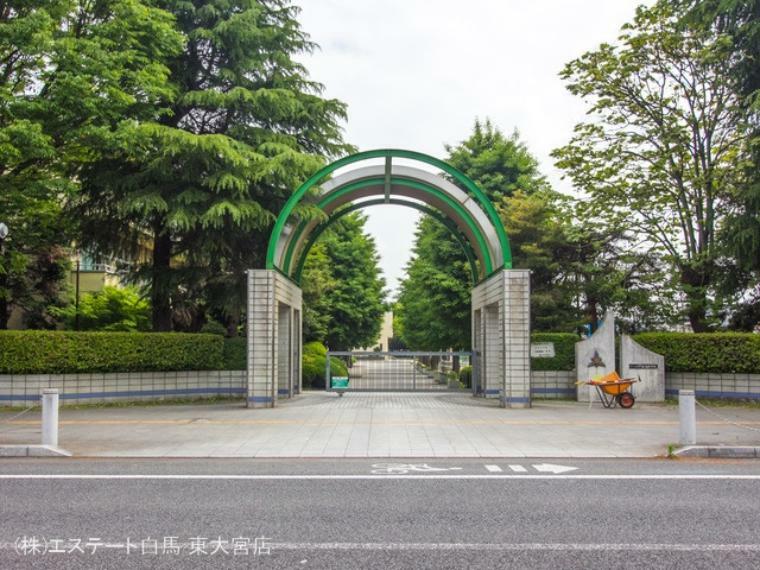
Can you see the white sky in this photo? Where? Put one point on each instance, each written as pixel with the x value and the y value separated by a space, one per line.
pixel 416 73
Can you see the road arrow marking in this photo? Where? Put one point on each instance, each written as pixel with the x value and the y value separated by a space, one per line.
pixel 551 468
pixel 518 468
pixel 493 468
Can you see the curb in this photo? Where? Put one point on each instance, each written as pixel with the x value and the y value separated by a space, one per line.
pixel 32 451
pixel 736 452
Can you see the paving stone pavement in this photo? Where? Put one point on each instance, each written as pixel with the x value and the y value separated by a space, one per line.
pixel 322 424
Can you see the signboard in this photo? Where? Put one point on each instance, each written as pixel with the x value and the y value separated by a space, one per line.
pixel 339 382
pixel 542 350
pixel 643 366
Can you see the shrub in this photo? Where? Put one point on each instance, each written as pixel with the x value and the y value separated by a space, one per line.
pixel 705 352
pixel 59 352
pixel 314 363
pixel 465 376
pixel 112 309
pixel 234 353
pixel 214 327
pixel 564 351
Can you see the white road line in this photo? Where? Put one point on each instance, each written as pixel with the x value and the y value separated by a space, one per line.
pixel 551 546
pixel 373 477
pixel 518 468
pixel 493 468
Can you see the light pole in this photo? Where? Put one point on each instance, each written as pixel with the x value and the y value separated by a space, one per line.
pixel 4 231
pixel 76 300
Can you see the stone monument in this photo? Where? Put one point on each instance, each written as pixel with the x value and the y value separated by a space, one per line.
pixel 595 356
pixel 647 366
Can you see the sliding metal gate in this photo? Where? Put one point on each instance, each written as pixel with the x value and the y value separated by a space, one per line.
pixel 399 371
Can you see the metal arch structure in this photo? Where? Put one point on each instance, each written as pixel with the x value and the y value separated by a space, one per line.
pixel 467 206
pixel 500 296
pixel 447 223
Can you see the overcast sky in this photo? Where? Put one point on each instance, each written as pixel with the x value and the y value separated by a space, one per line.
pixel 416 73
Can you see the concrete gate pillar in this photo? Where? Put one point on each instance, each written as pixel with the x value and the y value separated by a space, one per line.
pixel 501 337
pixel 273 338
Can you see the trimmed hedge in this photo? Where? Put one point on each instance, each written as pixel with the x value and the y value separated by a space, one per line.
pixel 234 353
pixel 564 351
pixel 59 352
pixel 705 352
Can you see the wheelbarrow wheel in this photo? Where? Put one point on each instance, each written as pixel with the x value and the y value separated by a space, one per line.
pixel 626 400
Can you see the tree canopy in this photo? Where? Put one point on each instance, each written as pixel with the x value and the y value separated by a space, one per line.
pixel 658 155
pixel 344 296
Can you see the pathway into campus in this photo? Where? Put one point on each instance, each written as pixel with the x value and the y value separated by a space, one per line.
pixel 320 424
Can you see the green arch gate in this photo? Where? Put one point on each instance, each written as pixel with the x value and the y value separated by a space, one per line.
pixel 500 295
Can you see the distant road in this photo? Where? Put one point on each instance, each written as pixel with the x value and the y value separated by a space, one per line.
pixel 444 513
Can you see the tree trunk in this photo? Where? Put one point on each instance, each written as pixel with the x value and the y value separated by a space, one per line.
pixel 3 314
pixel 232 326
pixel 695 281
pixel 161 286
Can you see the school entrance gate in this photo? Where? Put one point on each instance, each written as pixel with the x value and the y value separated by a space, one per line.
pixel 396 371
pixel 500 296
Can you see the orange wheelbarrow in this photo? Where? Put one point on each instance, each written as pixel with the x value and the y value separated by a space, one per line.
pixel 614 390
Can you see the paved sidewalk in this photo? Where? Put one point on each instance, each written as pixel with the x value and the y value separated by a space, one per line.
pixel 379 425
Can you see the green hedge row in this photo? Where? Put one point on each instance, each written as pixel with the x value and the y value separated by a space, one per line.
pixel 564 351
pixel 709 352
pixel 58 352
pixel 234 354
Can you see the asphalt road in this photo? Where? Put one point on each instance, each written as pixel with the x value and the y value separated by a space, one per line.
pixel 438 513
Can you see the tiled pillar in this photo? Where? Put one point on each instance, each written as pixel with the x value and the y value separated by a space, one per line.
pixel 515 314
pixel 261 334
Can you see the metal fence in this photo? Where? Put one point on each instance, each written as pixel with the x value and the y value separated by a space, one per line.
pixel 399 371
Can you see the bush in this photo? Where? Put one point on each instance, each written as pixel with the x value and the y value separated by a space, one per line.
pixel 705 352
pixel 234 353
pixel 59 352
pixel 465 376
pixel 214 327
pixel 112 309
pixel 314 363
pixel 564 351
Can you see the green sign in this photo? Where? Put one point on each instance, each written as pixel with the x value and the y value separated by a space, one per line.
pixel 339 382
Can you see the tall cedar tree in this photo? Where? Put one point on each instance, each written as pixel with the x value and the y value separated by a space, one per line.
pixel 244 127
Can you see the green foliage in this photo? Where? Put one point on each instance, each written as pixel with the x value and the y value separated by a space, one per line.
pixel 433 309
pixel 715 352
pixel 314 363
pixel 343 284
pixel 317 283
pixel 243 127
pixel 465 376
pixel 112 309
pixel 564 351
pixel 214 327
pixel 72 74
pixel 434 303
pixel 646 159
pixel 55 352
pixel 234 353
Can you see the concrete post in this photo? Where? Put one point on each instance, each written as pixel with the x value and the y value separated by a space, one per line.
pixel 50 417
pixel 687 417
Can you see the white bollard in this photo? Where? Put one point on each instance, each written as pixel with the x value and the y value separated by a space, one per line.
pixel 687 416
pixel 50 417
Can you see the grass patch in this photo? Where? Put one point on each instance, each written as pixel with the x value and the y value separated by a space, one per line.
pixel 137 403
pixel 719 402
